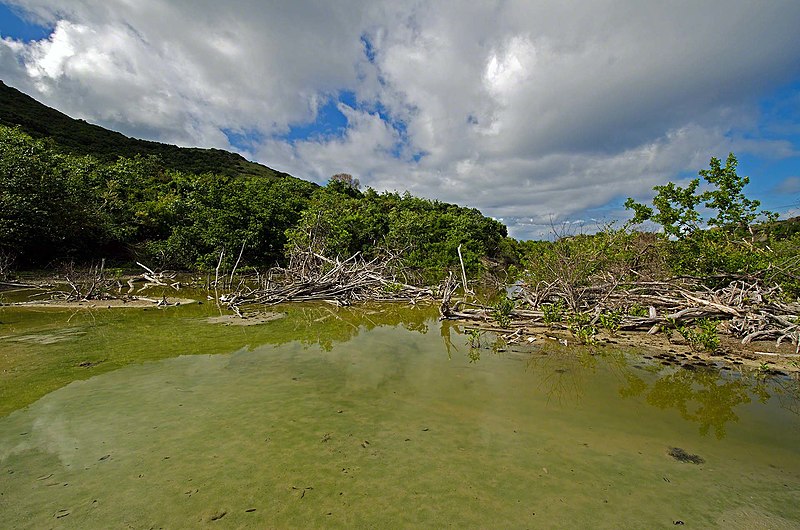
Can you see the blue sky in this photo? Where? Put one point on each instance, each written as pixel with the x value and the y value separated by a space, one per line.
pixel 535 112
pixel 16 27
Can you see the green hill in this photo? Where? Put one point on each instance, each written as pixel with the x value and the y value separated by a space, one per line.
pixel 81 138
pixel 72 191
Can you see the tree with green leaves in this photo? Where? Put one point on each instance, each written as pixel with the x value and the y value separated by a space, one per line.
pixel 676 207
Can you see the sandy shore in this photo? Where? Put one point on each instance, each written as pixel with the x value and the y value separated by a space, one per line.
pixel 135 302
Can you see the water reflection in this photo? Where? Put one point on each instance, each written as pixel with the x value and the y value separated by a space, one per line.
pixel 292 436
pixel 327 326
pixel 708 397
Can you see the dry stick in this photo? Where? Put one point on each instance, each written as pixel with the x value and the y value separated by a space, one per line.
pixel 230 284
pixel 219 264
pixel 216 275
pixel 148 269
pixel 311 277
pixel 467 290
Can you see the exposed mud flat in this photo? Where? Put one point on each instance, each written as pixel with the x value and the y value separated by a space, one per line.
pixel 251 319
pixel 113 303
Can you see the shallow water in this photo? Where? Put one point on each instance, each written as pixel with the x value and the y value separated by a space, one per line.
pixel 381 418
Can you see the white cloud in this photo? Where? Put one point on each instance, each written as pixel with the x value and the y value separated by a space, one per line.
pixel 789 186
pixel 527 110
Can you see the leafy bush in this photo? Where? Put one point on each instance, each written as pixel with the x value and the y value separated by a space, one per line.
pixel 702 336
pixel 501 311
pixel 54 205
pixel 553 313
pixel 580 325
pixel 423 235
pixel 610 320
pixel 636 310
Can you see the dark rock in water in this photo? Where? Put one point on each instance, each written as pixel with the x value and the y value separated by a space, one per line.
pixel 682 456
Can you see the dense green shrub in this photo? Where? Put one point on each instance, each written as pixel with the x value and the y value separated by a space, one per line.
pixel 57 206
pixel 424 235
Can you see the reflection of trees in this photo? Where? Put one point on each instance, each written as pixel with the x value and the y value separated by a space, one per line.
pixel 326 326
pixel 701 397
pixel 474 343
pixel 445 330
pixel 562 372
pixel 787 390
pixel 707 397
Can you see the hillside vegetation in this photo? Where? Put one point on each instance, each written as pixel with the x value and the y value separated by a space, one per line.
pixel 74 191
pixel 57 207
pixel 78 137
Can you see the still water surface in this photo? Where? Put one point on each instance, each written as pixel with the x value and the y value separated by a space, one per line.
pixel 384 418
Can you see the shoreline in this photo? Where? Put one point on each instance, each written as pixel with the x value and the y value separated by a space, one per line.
pixel 763 356
pixel 112 303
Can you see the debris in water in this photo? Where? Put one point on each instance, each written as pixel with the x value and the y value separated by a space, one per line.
pixel 682 456
pixel 219 515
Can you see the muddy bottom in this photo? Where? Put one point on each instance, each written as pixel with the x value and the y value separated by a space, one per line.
pixel 386 419
pixel 247 319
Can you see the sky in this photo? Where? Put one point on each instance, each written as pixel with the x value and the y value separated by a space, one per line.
pixel 541 114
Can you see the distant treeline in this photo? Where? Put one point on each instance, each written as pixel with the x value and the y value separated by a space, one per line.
pixel 56 207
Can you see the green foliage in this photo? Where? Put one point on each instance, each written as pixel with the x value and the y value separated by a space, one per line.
pixel 55 206
pixel 474 338
pixel 721 239
pixel 702 336
pixel 636 310
pixel 734 210
pixel 581 326
pixel 669 327
pixel 424 235
pixel 46 206
pixel 393 287
pixel 554 312
pixel 610 320
pixel 76 137
pixel 676 207
pixel 502 310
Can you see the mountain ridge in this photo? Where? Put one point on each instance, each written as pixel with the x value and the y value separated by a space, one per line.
pixel 79 137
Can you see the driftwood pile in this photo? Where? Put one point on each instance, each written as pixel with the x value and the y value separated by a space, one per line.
pixel 313 277
pixel 750 310
pixel 93 284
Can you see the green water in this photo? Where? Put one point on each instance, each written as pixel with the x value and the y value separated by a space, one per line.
pixel 375 418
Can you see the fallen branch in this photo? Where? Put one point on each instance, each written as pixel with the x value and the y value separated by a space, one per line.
pixel 313 277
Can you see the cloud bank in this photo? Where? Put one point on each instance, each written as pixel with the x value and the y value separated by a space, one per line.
pixel 530 111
